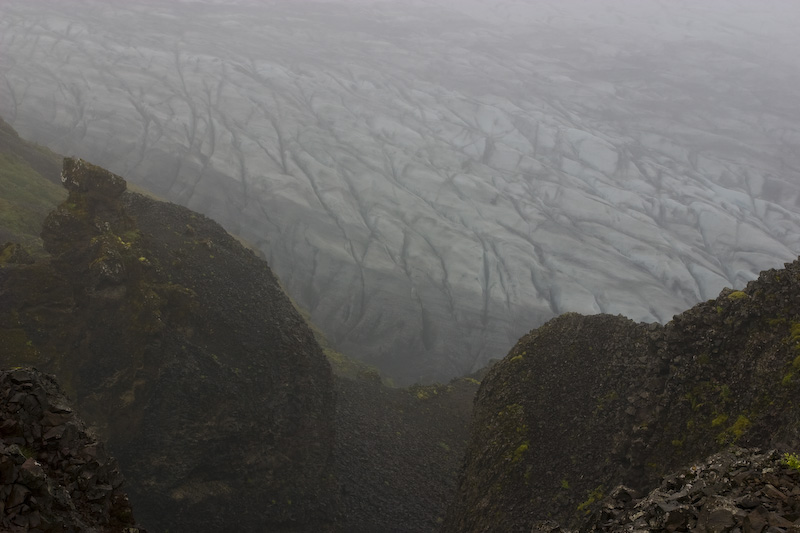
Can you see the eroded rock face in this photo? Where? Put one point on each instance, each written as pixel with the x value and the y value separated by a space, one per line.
pixel 183 352
pixel 583 404
pixel 54 475
pixel 81 176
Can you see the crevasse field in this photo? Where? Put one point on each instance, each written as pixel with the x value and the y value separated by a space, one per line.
pixel 429 178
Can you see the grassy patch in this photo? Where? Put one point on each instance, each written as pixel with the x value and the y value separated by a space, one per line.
pixel 26 197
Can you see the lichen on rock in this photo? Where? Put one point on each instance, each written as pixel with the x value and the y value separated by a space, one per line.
pixel 606 401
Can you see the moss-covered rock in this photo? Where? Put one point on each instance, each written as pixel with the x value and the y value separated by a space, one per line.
pixel 599 401
pixel 183 352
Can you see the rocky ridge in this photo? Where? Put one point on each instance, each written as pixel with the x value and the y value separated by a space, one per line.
pixel 54 474
pixel 585 403
pixel 398 450
pixel 182 351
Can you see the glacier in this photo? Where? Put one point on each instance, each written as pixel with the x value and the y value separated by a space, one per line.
pixel 432 179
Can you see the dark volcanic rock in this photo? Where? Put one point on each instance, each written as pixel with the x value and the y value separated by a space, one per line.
pixel 80 176
pixel 584 404
pixel 54 475
pixel 739 489
pixel 398 452
pixel 181 349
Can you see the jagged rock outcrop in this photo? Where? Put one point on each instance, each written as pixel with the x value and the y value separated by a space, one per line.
pixel 54 475
pixel 182 351
pixel 739 489
pixel 585 403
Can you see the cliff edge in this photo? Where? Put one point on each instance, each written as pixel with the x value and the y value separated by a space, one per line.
pixel 182 351
pixel 586 403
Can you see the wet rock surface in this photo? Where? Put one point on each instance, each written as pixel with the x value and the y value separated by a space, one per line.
pixel 54 474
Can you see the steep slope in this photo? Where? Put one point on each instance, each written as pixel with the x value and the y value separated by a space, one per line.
pixel 182 351
pixel 585 403
pixel 430 178
pixel 54 475
pixel 398 452
pixel 29 189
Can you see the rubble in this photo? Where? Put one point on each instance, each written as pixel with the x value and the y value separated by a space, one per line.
pixel 54 474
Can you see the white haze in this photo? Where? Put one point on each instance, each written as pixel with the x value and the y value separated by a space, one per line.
pixel 432 179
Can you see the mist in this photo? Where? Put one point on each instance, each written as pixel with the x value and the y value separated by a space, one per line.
pixel 432 179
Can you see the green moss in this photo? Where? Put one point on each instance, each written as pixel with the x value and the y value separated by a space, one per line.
pixel 724 393
pixel 520 451
pixel 6 254
pixel 739 427
pixel 791 460
pixel 719 420
pixel 426 392
pixel 735 431
pixel 517 358
pixel 737 295
pixel 131 235
pixel 776 322
pixel 694 400
pixel 794 334
pixel 565 484
pixel 595 495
